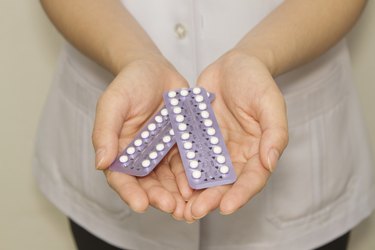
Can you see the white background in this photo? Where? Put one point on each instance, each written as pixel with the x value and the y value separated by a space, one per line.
pixel 29 47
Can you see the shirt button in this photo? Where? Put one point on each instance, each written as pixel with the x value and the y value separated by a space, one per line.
pixel 180 31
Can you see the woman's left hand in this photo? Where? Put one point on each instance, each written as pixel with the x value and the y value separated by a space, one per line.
pixel 251 113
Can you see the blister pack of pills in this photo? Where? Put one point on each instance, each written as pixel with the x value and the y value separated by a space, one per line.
pixel 200 143
pixel 149 146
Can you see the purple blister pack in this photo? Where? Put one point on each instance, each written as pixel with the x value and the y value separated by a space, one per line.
pixel 149 146
pixel 202 148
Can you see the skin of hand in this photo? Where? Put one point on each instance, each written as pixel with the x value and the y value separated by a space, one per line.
pixel 127 103
pixel 251 113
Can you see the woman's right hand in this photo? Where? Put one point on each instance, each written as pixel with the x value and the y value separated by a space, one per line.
pixel 124 107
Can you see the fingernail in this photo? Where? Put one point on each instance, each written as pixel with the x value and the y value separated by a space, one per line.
pixel 99 158
pixel 190 222
pixel 273 157
pixel 198 218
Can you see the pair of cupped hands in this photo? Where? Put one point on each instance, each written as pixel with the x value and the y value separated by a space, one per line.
pixel 251 113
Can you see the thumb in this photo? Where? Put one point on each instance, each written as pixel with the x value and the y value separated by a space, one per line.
pixel 111 111
pixel 274 126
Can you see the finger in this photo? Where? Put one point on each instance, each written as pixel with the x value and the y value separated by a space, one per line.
pixel 168 181
pixel 273 122
pixel 207 201
pixel 180 175
pixel 158 196
pixel 128 189
pixel 251 180
pixel 187 212
pixel 111 112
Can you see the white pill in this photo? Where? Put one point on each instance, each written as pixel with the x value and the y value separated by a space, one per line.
pixel 185 136
pixel 190 155
pixel 198 98
pixel 208 94
pixel 205 114
pixel 166 139
pixel 123 158
pixel 182 126
pixel 160 147
pixel 153 155
pixel 217 150
pixel 202 106
pixel 184 92
pixel 220 159
pixel 173 101
pixel 130 150
pixel 196 174
pixel 171 132
pixel 158 119
pixel 177 110
pixel 171 94
pixel 145 134
pixel 146 163
pixel 197 90
pixel 180 118
pixel 151 126
pixel 188 145
pixel 211 131
pixel 138 142
pixel 224 169
pixel 193 164
pixel 164 112
pixel 214 140
pixel 207 122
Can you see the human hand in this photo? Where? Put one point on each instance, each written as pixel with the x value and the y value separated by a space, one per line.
pixel 127 103
pixel 251 113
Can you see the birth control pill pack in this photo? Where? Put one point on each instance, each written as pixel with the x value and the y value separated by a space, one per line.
pixel 188 119
pixel 200 142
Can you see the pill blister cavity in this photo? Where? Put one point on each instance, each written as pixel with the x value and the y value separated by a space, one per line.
pixel 190 155
pixel 196 174
pixel 153 155
pixel 217 150
pixel 193 164
pixel 167 139
pixel 172 94
pixel 145 134
pixel 151 126
pixel 164 112
pixel 182 126
pixel 207 122
pixel 205 114
pixel 188 145
pixel 202 106
pixel 197 90
pixel 158 119
pixel 138 142
pixel 177 110
pixel 185 136
pixel 214 140
pixel 224 169
pixel 123 158
pixel 160 147
pixel 130 150
pixel 184 92
pixel 199 98
pixel 180 118
pixel 173 101
pixel 211 131
pixel 220 159
pixel 146 163
pixel 171 132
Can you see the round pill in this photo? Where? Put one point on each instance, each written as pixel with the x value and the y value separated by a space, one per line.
pixel 171 132
pixel 185 136
pixel 138 142
pixel 224 169
pixel 214 140
pixel 190 155
pixel 123 158
pixel 202 106
pixel 184 92
pixel 146 163
pixel 193 164
pixel 177 110
pixel 180 118
pixel 196 174
pixel 182 126
pixel 130 150
pixel 220 159
pixel 197 90
pixel 153 155
pixel 188 145
pixel 217 150
pixel 145 134
pixel 164 112
pixel 207 122
pixel 205 114
pixel 198 98
pixel 158 119
pixel 173 101
pixel 166 139
pixel 171 94
pixel 160 147
pixel 151 126
pixel 211 131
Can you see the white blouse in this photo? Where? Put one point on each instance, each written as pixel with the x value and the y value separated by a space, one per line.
pixel 323 183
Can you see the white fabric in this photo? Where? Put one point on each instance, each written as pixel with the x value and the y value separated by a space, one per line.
pixel 323 184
